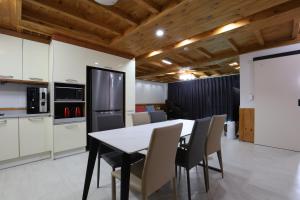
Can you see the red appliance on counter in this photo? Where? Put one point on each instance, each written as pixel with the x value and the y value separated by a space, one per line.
pixel 66 112
pixel 77 111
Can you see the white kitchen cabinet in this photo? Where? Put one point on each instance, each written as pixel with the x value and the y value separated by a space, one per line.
pixel 69 136
pixel 34 135
pixel 9 139
pixel 69 63
pixel 10 57
pixel 35 61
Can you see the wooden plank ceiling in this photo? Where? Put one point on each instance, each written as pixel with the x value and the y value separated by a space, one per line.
pixel 202 37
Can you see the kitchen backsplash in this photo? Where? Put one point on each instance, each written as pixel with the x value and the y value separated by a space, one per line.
pixel 12 95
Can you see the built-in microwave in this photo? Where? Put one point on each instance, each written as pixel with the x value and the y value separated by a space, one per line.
pixel 68 92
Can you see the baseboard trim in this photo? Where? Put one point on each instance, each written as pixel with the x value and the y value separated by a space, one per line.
pixel 24 160
pixel 67 153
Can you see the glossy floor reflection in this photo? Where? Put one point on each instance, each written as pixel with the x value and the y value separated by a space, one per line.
pixel 251 173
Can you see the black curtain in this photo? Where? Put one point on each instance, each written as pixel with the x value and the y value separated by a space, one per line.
pixel 206 97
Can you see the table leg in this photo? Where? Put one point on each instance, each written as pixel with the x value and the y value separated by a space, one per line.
pixel 90 166
pixel 125 176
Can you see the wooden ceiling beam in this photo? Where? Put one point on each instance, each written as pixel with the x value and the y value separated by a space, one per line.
pixel 266 18
pixel 114 12
pixel 172 5
pixel 200 64
pixel 73 16
pixel 259 37
pixel 232 44
pixel 186 58
pixel 296 28
pixel 152 7
pixel 48 28
pixel 229 56
pixel 203 52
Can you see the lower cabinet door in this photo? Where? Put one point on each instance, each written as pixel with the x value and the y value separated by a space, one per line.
pixel 9 139
pixel 69 136
pixel 34 135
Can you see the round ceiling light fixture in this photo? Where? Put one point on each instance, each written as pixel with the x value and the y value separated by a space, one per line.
pixel 159 32
pixel 107 2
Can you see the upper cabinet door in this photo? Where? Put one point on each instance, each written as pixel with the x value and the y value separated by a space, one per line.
pixel 10 57
pixel 35 61
pixel 69 63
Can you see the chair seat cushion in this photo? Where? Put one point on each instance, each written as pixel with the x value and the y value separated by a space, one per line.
pixel 114 159
pixel 181 157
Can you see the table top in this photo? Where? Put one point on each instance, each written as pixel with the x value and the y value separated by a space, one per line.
pixel 136 138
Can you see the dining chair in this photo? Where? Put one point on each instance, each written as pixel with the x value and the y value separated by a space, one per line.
pixel 158 116
pixel 140 118
pixel 213 143
pixel 191 154
pixel 158 168
pixel 112 157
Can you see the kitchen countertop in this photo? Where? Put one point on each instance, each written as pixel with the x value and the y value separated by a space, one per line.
pixel 20 114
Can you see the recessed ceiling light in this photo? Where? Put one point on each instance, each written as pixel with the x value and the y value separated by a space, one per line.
pixel 107 2
pixel 233 64
pixel 171 73
pixel 159 33
pixel 166 62
pixel 96 63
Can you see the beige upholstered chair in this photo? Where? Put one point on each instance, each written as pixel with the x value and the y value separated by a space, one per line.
pixel 213 143
pixel 140 118
pixel 158 168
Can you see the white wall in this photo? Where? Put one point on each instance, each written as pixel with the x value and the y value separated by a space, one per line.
pixel 277 90
pixel 150 92
pixel 275 85
pixel 247 72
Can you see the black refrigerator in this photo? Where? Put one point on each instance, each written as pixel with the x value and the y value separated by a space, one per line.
pixel 105 99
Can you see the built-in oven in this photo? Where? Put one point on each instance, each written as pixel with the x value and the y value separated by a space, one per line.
pixel 68 92
pixel 69 103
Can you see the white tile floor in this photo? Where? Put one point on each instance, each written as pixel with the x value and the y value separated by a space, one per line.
pixel 251 172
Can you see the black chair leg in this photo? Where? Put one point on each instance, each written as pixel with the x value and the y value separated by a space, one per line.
pixel 188 183
pixel 220 162
pixel 205 176
pixel 98 170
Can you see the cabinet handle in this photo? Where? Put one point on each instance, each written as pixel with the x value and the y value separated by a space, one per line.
pixel 3 121
pixel 2 76
pixel 71 126
pixel 71 80
pixel 36 119
pixel 36 79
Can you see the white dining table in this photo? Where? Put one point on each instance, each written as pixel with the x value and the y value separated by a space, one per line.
pixel 128 140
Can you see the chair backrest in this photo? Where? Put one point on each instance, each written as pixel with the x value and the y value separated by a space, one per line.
pixel 158 116
pixel 196 145
pixel 213 143
pixel 140 118
pixel 108 122
pixel 150 108
pixel 159 167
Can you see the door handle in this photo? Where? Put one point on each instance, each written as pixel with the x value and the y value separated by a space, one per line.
pixel 2 76
pixel 71 80
pixel 36 79
pixel 3 121
pixel 33 119
pixel 71 126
